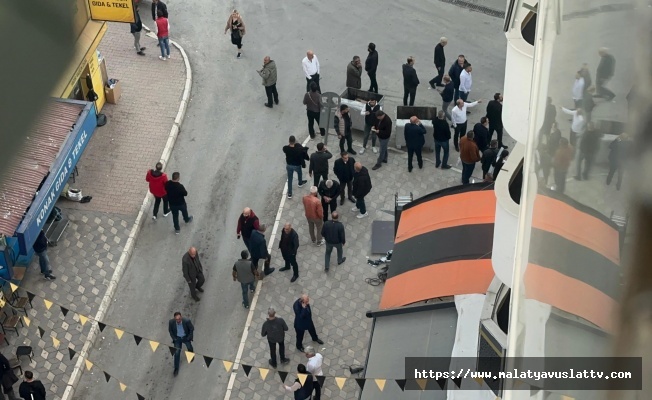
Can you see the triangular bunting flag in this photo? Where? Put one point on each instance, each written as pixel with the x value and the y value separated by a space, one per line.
pixel 13 286
pixel 153 345
pixel 102 326
pixel 64 311
pixel 30 296
pixel 423 382
pixel 119 333
pixel 283 375
pixel 566 398
pixel 478 381
pixel 137 339
pixel 48 303
pixel 263 372
pixel 227 365
pixel 140 396
pixel 123 386
pixel 172 350
pixel 83 319
pixel 321 379
pixel 247 369
pixel 27 320
pixel 302 378
pixel 440 382
pixel 380 383
pixel 71 352
pixel 89 365
pixel 457 381
pixel 41 332
pixel 340 382
pixel 208 360
pixel 401 384
pixel 107 376
pixel 361 382
pixel 190 356
pixel 55 342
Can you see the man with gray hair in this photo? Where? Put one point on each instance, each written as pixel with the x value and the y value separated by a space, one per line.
pixel 440 63
pixel 315 215
pixel 354 73
pixel 258 248
pixel 274 329
pixel 315 361
pixel 329 190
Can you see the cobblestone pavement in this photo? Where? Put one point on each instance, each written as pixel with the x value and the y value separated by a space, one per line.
pixel 112 170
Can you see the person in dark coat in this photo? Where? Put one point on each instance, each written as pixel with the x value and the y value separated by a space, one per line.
pixel 495 115
pixel 159 5
pixel 414 141
pixel 440 63
pixel 589 146
pixel 383 129
pixel 193 272
pixel 245 272
pixel 447 95
pixel 289 245
pixel 303 321
pixel 481 134
pixel 605 72
pixel 361 188
pixel 247 223
pixel 502 159
pixel 8 378
pixel 618 152
pixel 41 250
pixel 343 125
pixel 274 330
pixel 182 332
pixel 442 135
pixel 354 74
pixel 343 169
pixel 455 71
pixel 177 198
pixel 489 157
pixel 31 389
pixel 329 190
pixel 410 81
pixel 371 65
pixel 318 167
pixel 136 28
pixel 302 391
pixel 258 249
pixel 333 233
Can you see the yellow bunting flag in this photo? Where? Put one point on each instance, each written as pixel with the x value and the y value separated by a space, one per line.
pixel 13 287
pixel 190 356
pixel 380 383
pixel 422 383
pixel 340 382
pixel 478 380
pixel 227 365
pixel 119 333
pixel 27 320
pixel 89 365
pixel 153 345
pixel 123 386
pixel 48 303
pixel 263 372
pixel 83 319
pixel 302 378
pixel 2 302
pixel 567 398
pixel 56 342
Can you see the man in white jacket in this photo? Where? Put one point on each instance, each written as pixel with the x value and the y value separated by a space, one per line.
pixel 466 81
pixel 315 361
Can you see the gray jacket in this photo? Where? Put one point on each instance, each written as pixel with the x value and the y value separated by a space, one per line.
pixel 268 73
pixel 275 330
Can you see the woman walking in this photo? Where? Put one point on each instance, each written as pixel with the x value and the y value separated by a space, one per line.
pixel 312 101
pixel 237 27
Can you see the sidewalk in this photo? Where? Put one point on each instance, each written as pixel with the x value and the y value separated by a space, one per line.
pixel 112 170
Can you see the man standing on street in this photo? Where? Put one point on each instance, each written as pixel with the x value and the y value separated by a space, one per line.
pixel 447 95
pixel 274 330
pixel 177 198
pixel 30 388
pixel 370 120
pixel 245 272
pixel 193 272
pixel 157 180
pixel 333 233
pixel 289 245
pixel 310 65
pixel 442 134
pixel 268 73
pixel 466 81
pixel 328 190
pixel 136 28
pixel 354 73
pixel 371 65
pixel 459 119
pixel 361 188
pixel 410 81
pixel 440 63
pixel 481 134
pixel 247 223
pixel 605 72
pixel 295 158
pixel 313 366
pixel 469 154
pixel 41 250
pixel 303 321
pixel 343 169
pixel 318 168
pixel 455 71
pixel 489 157
pixel 159 5
pixel 162 26
pixel 258 248
pixel 414 141
pixel 181 331
pixel 495 115
pixel 315 215
pixel 343 124
pixel 383 129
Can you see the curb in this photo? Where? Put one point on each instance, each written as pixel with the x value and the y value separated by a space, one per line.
pixel 75 377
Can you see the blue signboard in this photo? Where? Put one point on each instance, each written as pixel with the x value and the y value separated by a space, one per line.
pixel 60 171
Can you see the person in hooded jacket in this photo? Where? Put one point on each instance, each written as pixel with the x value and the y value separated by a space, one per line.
pixel 30 388
pixel 157 179
pixel 361 188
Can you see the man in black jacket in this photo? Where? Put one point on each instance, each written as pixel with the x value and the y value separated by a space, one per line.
pixel 605 71
pixel 370 120
pixel 328 190
pixel 414 141
pixel 383 129
pixel 193 272
pixel 245 272
pixel 41 250
pixel 481 134
pixel 274 330
pixel 447 95
pixel 343 169
pixel 371 65
pixel 289 245
pixel 343 124
pixel 318 168
pixel 455 71
pixel 442 134
pixel 258 249
pixel 159 5
pixel 489 157
pixel 440 62
pixel 136 28
pixel 410 81
pixel 333 233
pixel 177 198
pixel 361 188
pixel 31 389
pixel 295 158
pixel 495 115
pixel 181 331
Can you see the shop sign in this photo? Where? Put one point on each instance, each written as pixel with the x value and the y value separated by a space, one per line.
pixel 112 10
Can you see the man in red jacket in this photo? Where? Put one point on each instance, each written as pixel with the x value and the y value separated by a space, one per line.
pixel 157 178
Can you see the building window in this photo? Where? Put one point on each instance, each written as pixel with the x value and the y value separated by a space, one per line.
pixel 529 27
pixel 516 184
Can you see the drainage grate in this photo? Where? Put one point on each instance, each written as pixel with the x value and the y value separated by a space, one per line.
pixel 477 8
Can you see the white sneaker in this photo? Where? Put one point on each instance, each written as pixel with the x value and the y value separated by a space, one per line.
pixel 355 209
pixel 375 149
pixel 360 216
pixel 166 214
pixel 154 217
pixel 361 151
pixel 161 58
pixel 321 242
pixel 169 57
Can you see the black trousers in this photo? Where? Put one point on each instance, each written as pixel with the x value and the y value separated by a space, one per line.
pixel 196 284
pixel 349 142
pixel 613 168
pixel 313 78
pixel 325 206
pixel 316 387
pixel 460 131
pixel 272 351
pixel 498 128
pixel 411 92
pixel 373 87
pixel 312 117
pixel 318 177
pixel 588 163
pixel 300 333
pixel 560 180
pixel 291 261
pixel 271 92
pixel 157 203
pixel 411 152
pixel 175 214
pixel 348 186
pixel 437 79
